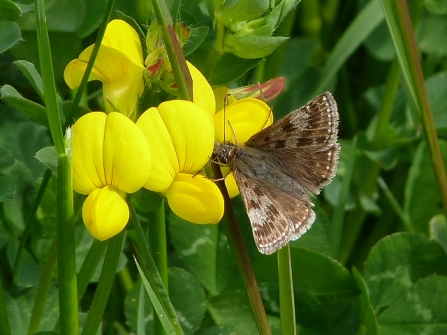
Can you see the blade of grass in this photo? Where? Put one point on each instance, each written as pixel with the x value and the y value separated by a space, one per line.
pixel 104 287
pixel 49 86
pixel 365 22
pixel 286 297
pixel 336 228
pixel 153 281
pixel 42 290
pixel 399 23
pixel 89 265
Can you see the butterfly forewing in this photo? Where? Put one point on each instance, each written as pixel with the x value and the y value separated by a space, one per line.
pixel 304 142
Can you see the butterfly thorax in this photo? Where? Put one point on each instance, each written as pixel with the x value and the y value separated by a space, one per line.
pixel 224 152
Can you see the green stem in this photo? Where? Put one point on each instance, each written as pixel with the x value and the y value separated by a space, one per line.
pixel 286 297
pixel 395 204
pixel 42 290
pixel 5 327
pixel 339 213
pixel 104 287
pixel 399 24
pixel 157 246
pixel 386 110
pixel 89 265
pixel 66 261
pixel 29 224
pixel 49 86
pixel 174 50
pixel 237 245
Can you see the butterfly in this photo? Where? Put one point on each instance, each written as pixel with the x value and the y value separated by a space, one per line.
pixel 281 166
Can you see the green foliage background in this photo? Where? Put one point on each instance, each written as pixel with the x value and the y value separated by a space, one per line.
pixel 374 261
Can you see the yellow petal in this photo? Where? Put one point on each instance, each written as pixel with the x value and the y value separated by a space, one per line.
pixel 105 213
pixel 231 185
pixel 243 119
pixel 164 159
pixel 109 150
pixel 88 147
pixel 119 66
pixel 203 94
pixel 223 97
pixel 121 36
pixel 127 157
pixel 191 132
pixel 195 199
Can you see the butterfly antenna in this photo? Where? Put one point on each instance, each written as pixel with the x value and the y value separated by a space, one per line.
pixel 225 115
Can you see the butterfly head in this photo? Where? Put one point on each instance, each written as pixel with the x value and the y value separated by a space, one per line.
pixel 224 151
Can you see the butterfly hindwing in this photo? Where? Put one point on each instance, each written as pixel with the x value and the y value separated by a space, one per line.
pixel 276 217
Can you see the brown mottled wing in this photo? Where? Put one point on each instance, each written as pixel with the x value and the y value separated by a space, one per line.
pixel 276 216
pixel 304 143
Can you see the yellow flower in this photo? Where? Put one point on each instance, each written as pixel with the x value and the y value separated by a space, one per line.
pixel 119 66
pixel 181 138
pixel 110 158
pixel 236 123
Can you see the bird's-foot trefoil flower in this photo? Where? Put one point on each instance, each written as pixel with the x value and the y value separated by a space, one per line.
pixel 123 71
pixel 181 138
pixel 119 66
pixel 111 158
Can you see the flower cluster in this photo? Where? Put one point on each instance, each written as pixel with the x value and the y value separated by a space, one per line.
pixel 164 150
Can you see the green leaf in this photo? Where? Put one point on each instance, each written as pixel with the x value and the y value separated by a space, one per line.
pixel 419 310
pixel 9 10
pixel 28 272
pixel 437 91
pixel 185 292
pixel 48 157
pixel 197 36
pixel 421 180
pixel 221 330
pixel 30 72
pixel 196 245
pixel 56 16
pixel 229 68
pixel 243 10
pixel 438 230
pixel 369 321
pixel 399 260
pixel 252 47
pixel 436 6
pixel 20 307
pixel 233 309
pixel 32 110
pixel 428 37
pixel 10 35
